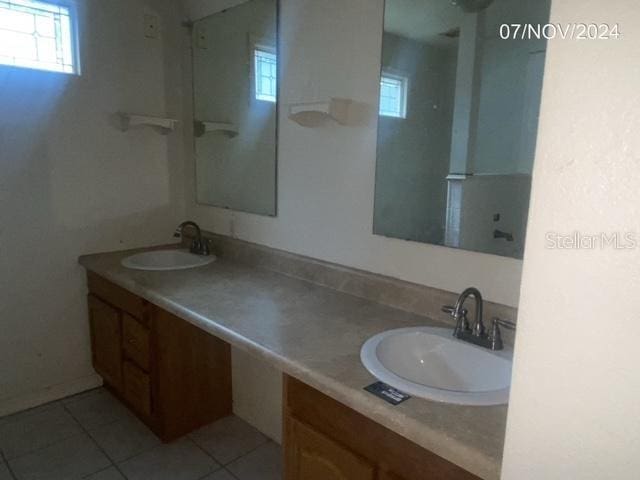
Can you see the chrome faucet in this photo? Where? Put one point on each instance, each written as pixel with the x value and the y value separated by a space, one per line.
pixel 476 333
pixel 199 246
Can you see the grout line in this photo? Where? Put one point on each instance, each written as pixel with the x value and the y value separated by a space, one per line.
pixel 99 471
pixel 126 459
pixel 248 452
pixel 6 463
pixel 96 444
pixel 49 444
pixel 231 473
pixel 223 464
pixel 221 469
pixel 220 464
pixel 120 461
pixel 43 447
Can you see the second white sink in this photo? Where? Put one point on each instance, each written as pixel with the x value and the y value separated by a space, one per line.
pixel 428 362
pixel 166 260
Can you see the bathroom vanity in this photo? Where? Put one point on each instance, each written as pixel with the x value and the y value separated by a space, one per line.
pixel 173 375
pixel 161 341
pixel 325 440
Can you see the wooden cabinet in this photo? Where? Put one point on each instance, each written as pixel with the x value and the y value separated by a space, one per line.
pixel 313 456
pixel 136 388
pixel 173 375
pixel 135 341
pixel 324 439
pixel 105 340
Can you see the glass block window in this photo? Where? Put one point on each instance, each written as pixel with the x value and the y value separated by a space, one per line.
pixel 39 35
pixel 266 74
pixel 393 95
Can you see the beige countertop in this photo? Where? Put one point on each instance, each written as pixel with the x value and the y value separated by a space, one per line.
pixel 314 334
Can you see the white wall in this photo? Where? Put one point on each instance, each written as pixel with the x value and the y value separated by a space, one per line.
pixel 257 393
pixel 575 402
pixel 70 183
pixel 326 174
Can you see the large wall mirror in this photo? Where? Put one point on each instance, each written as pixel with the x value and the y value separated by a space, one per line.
pixel 457 126
pixel 235 83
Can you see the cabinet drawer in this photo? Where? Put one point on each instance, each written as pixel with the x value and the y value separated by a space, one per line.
pixel 119 297
pixel 105 324
pixel 137 388
pixel 135 341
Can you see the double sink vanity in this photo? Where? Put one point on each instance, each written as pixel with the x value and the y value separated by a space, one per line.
pixel 163 322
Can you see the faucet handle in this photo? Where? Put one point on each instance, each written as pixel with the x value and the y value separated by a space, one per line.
pixel 462 323
pixel 451 310
pixel 503 323
pixel 495 337
pixel 200 247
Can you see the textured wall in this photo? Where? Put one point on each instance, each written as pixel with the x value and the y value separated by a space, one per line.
pixel 71 183
pixel 575 403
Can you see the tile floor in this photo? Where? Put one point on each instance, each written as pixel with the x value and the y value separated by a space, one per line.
pixel 93 436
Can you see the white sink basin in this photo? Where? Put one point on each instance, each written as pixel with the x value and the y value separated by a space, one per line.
pixel 166 260
pixel 429 362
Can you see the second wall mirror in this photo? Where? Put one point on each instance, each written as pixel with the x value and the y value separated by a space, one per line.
pixel 458 119
pixel 235 83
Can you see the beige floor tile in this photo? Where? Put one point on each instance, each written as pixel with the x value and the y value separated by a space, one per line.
pixel 4 472
pixel 36 428
pixel 69 459
pixel 181 460
pixel 110 473
pixel 96 408
pixel 264 463
pixel 228 438
pixel 220 475
pixel 125 438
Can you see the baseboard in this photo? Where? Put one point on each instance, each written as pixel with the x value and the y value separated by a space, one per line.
pixel 48 394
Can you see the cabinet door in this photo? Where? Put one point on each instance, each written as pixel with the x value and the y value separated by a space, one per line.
pixel 313 456
pixel 384 475
pixel 106 334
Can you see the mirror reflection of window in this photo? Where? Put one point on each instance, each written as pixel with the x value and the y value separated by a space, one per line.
pixel 458 116
pixel 235 84
pixel 266 74
pixel 393 95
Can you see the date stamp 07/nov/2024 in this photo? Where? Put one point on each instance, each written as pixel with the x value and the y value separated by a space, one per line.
pixel 552 31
